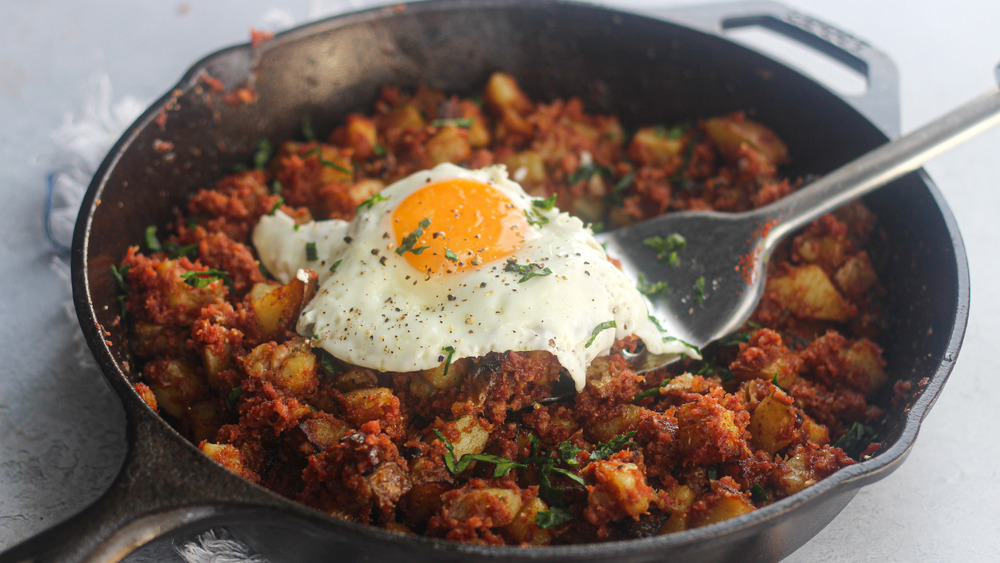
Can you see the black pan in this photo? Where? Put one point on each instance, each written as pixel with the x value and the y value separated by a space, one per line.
pixel 666 68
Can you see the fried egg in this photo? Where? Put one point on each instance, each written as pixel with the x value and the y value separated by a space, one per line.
pixel 451 263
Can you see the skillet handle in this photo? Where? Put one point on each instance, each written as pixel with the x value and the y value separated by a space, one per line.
pixel 879 102
pixel 164 485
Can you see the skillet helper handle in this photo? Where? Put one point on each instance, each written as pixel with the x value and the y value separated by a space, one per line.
pixel 161 487
pixel 880 100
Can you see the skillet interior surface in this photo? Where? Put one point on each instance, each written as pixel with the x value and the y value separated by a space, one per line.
pixel 643 69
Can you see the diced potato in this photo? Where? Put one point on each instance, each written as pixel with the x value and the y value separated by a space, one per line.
pixel 651 146
pixel 808 293
pixel 324 430
pixel 772 425
pixel 360 135
pixel 355 378
pixel 291 366
pixel 449 144
pixel 730 133
pixel 721 508
pixel 204 419
pixel 864 359
pixel 506 99
pixel 406 116
pixel 472 436
pixel 523 528
pixel 229 457
pixel 527 168
pixel 856 276
pixel 364 405
pixel 616 488
pixel 470 503
pixel 175 384
pixel 278 310
pixel 365 189
pixel 625 421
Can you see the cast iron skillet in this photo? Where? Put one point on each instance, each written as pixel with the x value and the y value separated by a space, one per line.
pixel 647 69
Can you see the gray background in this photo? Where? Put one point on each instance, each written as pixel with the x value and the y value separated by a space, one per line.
pixel 62 431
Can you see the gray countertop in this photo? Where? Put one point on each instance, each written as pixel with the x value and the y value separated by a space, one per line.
pixel 62 430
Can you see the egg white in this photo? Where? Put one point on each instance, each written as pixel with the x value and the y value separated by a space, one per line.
pixel 375 310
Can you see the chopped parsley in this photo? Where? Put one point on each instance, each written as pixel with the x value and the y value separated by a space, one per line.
pixel 263 154
pixel 675 132
pixel 307 129
pixel 614 199
pixel 741 337
pixel 547 203
pixel 318 153
pixel 501 465
pixel 119 276
pixel 379 150
pixel 233 398
pixel 311 253
pixel 368 203
pixel 447 361
pixel 462 122
pixel 202 278
pixel 597 330
pixel 535 216
pixel 151 240
pixel 699 290
pixel 585 172
pixel 758 493
pixel 667 248
pixel 333 267
pixel 651 289
pixel 277 205
pixel 411 239
pixel 857 438
pixel 450 255
pixel 527 271
pixel 651 392
pixel 613 446
pixel 552 517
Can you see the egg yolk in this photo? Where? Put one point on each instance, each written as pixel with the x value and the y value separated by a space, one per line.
pixel 457 224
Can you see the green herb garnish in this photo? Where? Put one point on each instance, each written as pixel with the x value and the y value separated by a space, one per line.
pixel 758 493
pixel 613 446
pixel 233 398
pixel 667 248
pixel 652 392
pixel 598 329
pixel 411 239
pixel 650 289
pixel 333 267
pixel 547 203
pixel 699 290
pixel 277 205
pixel 527 271
pixel 311 254
pixel 461 122
pixel 263 154
pixel 449 255
pixel 202 278
pixel 379 150
pixel 501 465
pixel 368 203
pixel 277 187
pixel 552 517
pixel 584 172
pixel 858 437
pixel 307 130
pixel 318 153
pixel 447 361
pixel 151 240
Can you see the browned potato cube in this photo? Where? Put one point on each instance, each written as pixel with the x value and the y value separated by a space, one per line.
pixel 730 133
pixel 809 294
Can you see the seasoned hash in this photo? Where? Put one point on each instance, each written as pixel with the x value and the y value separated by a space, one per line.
pixel 497 449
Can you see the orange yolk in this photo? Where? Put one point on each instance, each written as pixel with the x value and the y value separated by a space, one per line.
pixel 459 224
